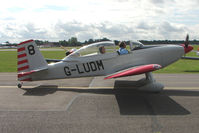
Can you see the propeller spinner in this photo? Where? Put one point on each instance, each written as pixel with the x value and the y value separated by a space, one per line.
pixel 186 46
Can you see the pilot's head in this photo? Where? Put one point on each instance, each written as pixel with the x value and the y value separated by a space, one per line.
pixel 102 50
pixel 122 45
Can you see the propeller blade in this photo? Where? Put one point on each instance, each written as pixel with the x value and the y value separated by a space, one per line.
pixel 187 41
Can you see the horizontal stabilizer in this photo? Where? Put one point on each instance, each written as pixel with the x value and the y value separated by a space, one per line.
pixel 28 74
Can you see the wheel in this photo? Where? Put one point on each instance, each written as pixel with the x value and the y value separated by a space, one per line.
pixel 19 85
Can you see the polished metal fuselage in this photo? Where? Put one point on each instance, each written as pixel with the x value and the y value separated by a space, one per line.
pixel 104 64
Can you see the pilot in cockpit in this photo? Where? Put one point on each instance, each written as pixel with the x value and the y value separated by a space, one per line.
pixel 123 49
pixel 102 50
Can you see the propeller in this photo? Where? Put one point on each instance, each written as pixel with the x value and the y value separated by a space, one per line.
pixel 186 46
pixel 187 41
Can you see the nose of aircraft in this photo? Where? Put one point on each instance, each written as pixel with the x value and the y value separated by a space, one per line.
pixel 187 49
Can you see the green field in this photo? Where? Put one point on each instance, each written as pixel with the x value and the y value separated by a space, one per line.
pixel 8 62
pixel 183 66
pixel 8 59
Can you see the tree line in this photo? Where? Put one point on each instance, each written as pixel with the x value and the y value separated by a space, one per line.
pixel 73 41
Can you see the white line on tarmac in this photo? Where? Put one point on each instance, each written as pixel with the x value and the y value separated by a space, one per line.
pixel 97 87
pixel 92 82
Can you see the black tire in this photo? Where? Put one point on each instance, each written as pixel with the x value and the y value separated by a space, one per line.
pixel 19 85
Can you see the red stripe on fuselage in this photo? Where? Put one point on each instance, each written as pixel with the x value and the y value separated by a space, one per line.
pixel 22 62
pixel 28 79
pixel 23 68
pixel 25 42
pixel 20 49
pixel 22 55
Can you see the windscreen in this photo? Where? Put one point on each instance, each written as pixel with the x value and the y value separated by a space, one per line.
pixel 95 49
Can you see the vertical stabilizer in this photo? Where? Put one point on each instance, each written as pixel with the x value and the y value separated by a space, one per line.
pixel 29 60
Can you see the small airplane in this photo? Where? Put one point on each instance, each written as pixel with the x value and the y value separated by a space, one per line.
pixel 91 61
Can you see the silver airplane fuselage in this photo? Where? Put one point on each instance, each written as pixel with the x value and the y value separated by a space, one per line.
pixel 108 63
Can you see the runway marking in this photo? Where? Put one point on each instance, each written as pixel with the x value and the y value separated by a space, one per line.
pixel 96 87
pixel 71 101
pixel 91 83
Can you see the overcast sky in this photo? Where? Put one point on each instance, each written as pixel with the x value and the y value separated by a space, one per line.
pixel 55 20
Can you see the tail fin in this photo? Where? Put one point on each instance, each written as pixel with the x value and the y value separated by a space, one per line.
pixel 29 60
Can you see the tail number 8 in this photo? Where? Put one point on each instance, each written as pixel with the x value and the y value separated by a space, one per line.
pixel 31 50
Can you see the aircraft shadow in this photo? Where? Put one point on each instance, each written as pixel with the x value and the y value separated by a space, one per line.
pixel 134 102
pixel 193 71
pixel 41 90
pixel 130 101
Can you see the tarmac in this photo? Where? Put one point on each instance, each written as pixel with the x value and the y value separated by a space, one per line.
pixel 97 105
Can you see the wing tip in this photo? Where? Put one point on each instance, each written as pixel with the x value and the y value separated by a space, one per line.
pixel 157 66
pixel 106 78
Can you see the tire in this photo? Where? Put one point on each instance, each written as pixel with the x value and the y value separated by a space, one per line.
pixel 19 85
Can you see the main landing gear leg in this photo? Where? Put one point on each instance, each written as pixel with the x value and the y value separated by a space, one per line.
pixel 149 77
pixel 149 84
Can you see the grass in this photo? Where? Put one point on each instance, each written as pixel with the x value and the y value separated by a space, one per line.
pixel 8 62
pixel 183 66
pixel 8 59
pixel 67 48
pixel 53 54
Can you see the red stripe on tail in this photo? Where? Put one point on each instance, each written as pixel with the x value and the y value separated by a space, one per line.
pixel 22 62
pixel 23 68
pixel 24 74
pixel 22 55
pixel 25 42
pixel 20 49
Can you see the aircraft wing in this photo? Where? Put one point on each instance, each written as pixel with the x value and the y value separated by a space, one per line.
pixel 135 71
pixel 53 60
pixel 190 58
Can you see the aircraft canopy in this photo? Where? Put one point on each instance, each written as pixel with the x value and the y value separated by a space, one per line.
pixel 94 49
